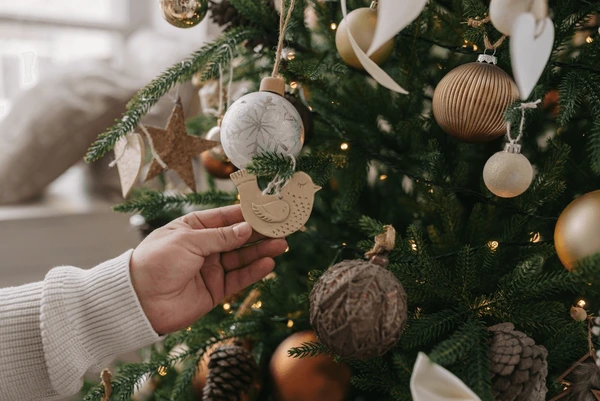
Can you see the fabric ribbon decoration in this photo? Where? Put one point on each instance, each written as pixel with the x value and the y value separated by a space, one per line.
pixel 431 382
pixel 393 16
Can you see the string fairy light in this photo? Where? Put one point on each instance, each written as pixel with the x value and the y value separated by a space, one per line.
pixel 344 146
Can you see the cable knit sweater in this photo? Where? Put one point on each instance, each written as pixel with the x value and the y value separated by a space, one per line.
pixel 53 331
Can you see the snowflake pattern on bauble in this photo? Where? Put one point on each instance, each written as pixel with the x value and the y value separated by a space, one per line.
pixel 261 122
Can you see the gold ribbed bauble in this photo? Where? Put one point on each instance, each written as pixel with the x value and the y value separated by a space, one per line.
pixel 307 379
pixel 362 23
pixel 470 101
pixel 577 233
pixel 508 174
pixel 184 13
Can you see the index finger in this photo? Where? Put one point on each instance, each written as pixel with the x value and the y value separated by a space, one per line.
pixel 220 217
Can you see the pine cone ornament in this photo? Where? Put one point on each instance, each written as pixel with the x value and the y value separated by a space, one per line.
pixel 231 371
pixel 519 367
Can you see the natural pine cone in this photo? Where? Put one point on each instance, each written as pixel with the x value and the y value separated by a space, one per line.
pixel 231 371
pixel 519 367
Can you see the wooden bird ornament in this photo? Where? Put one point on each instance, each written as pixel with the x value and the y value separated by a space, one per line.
pixel 276 216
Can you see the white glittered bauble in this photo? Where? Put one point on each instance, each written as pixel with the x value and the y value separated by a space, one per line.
pixel 503 13
pixel 507 174
pixel 261 122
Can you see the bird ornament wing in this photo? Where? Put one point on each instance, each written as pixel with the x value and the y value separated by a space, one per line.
pixel 274 212
pixel 431 382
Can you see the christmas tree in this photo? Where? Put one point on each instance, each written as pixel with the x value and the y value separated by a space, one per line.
pixel 472 279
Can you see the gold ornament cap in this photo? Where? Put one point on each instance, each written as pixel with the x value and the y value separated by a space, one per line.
pixel 272 84
pixel 577 232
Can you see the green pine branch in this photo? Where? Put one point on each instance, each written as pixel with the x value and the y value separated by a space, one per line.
pixel 179 73
pixel 151 203
pixel 308 350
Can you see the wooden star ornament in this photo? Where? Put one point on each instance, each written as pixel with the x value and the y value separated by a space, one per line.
pixel 176 148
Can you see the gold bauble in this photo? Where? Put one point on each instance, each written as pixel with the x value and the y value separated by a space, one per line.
pixel 577 232
pixel 470 101
pixel 362 23
pixel 507 174
pixel 307 379
pixel 184 13
pixel 217 168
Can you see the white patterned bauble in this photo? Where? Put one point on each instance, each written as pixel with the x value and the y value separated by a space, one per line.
pixel 261 122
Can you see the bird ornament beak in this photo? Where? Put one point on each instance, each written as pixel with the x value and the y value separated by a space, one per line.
pixel 317 188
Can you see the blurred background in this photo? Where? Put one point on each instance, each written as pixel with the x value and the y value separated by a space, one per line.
pixel 67 69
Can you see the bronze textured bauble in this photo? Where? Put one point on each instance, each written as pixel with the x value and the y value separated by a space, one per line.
pixel 217 168
pixel 577 233
pixel 507 174
pixel 362 23
pixel 184 13
pixel 358 309
pixel 470 101
pixel 307 379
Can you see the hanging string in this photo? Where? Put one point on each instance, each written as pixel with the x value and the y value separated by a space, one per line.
pixel 476 23
pixel 283 23
pixel 278 182
pixel 106 378
pixel 220 111
pixel 152 149
pixel 493 46
pixel 224 96
pixel 230 83
pixel 119 157
pixel 523 107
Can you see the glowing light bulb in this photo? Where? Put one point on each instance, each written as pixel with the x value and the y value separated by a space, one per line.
pixel 189 329
pixel 589 39
pixel 581 303
pixel 383 177
pixel 226 306
pixel 344 146
pixel 413 245
pixel 291 55
pixel 162 370
pixel 287 249
pixel 293 84
pixel 290 324
pixel 493 245
pixel 333 26
pixel 535 238
pixel 257 305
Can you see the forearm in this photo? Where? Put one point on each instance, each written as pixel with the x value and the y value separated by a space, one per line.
pixel 52 332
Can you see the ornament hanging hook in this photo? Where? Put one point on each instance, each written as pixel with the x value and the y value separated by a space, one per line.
pixel 513 145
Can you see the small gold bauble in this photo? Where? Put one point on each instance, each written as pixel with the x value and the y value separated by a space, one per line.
pixel 470 101
pixel 362 23
pixel 577 232
pixel 578 314
pixel 507 174
pixel 217 168
pixel 307 379
pixel 184 13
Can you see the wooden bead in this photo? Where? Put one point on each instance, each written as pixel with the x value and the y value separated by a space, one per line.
pixel 470 101
pixel 274 85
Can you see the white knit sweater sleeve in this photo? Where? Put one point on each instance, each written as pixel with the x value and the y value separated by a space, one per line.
pixel 52 332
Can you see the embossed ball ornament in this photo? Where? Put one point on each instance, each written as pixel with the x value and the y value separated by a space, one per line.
pixel 184 13
pixel 262 122
pixel 470 101
pixel 358 308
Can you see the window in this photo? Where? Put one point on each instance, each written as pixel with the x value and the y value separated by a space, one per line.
pixel 37 36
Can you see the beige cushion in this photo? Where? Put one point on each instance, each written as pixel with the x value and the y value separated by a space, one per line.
pixel 51 126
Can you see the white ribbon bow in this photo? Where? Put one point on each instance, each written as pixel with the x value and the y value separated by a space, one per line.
pixel 431 382
pixel 392 17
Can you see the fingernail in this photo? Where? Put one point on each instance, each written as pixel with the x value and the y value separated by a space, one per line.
pixel 242 229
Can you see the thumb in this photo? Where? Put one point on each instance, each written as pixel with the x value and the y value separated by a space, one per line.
pixel 222 239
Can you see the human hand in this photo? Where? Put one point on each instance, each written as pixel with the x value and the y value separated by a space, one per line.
pixel 183 270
